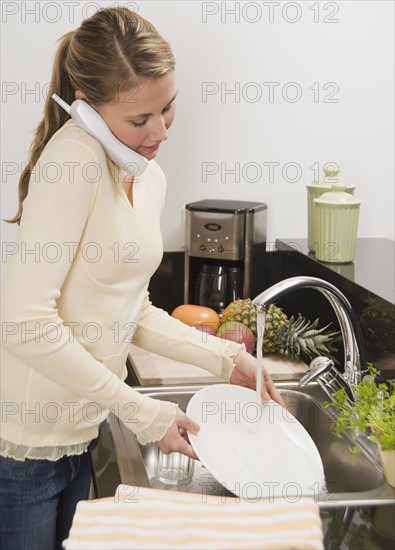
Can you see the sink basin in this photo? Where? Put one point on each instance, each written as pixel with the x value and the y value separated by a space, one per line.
pixel 350 478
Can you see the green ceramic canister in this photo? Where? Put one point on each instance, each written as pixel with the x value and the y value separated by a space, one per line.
pixel 337 214
pixel 315 190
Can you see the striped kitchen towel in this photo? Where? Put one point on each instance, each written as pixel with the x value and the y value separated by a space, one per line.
pixel 140 518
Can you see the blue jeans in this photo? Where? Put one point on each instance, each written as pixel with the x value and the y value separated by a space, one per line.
pixel 38 500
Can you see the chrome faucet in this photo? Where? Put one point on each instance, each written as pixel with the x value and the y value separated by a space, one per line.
pixel 322 369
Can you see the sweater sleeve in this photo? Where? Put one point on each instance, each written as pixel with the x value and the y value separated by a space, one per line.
pixel 160 333
pixel 55 213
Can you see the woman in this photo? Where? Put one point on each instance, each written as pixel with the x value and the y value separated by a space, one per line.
pixel 76 293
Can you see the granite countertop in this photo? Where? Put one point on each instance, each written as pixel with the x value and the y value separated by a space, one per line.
pixel 358 527
pixel 372 271
pixel 368 283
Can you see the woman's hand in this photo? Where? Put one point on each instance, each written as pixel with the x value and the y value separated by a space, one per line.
pixel 244 374
pixel 176 437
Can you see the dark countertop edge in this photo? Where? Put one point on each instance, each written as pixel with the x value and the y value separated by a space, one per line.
pixel 285 244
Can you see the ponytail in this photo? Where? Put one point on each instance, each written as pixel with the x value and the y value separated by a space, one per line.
pixel 53 119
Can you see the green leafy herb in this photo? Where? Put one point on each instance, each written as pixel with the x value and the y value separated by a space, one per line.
pixel 372 413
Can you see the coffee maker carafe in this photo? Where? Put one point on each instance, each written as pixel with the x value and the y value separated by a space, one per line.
pixel 225 251
pixel 218 285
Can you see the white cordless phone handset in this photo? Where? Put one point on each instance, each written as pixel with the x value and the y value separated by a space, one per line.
pixel 88 119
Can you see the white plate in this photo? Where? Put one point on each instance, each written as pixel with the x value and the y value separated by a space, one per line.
pixel 253 451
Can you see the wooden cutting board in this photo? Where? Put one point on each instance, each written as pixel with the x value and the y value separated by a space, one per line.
pixel 153 370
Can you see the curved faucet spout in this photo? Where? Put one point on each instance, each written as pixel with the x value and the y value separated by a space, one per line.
pixel 354 346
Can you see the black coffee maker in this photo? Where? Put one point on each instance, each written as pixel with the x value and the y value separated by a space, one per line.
pixel 225 251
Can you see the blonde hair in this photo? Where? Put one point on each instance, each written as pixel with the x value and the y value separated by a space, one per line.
pixel 105 56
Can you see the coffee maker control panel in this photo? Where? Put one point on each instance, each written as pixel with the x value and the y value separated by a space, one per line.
pixel 216 235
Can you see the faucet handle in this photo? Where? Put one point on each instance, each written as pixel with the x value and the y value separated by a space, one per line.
pixel 318 366
pixel 328 377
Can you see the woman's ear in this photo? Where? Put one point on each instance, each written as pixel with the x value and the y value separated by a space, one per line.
pixel 79 95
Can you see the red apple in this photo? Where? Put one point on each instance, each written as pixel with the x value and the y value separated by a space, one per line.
pixel 207 328
pixel 237 332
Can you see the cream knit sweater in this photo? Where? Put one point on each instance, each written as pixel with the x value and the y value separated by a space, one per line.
pixel 75 295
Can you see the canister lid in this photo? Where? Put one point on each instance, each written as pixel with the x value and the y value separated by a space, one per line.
pixel 338 196
pixel 331 177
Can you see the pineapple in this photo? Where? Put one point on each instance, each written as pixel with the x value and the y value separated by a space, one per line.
pixel 289 336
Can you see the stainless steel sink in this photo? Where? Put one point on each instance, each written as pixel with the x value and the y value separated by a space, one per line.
pixel 350 478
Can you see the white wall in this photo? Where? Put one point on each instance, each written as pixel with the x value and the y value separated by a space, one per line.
pixel 344 47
